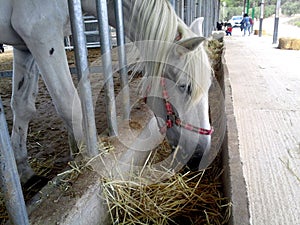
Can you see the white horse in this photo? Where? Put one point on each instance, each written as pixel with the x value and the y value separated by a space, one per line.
pixel 175 65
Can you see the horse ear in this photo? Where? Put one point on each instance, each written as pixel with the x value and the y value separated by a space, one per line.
pixel 185 46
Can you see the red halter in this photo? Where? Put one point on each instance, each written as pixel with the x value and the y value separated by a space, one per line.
pixel 172 119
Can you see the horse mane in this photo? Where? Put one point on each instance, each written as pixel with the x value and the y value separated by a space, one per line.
pixel 156 27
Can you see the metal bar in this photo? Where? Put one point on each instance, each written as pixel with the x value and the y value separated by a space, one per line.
pixel 101 6
pixel 276 22
pixel 181 9
pixel 193 10
pixel 95 32
pixel 199 5
pixel 9 177
pixel 188 15
pixel 84 85
pixel 122 58
pixel 206 15
pixel 73 70
pixel 177 8
pixel 7 73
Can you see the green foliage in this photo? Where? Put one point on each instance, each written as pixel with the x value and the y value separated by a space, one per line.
pixel 291 8
pixel 234 3
pixel 233 11
pixel 235 7
pixel 297 23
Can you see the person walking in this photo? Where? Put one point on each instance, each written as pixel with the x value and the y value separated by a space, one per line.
pixel 246 24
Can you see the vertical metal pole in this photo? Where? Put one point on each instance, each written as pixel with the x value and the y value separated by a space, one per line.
pixel 177 8
pixel 84 87
pixel 9 177
pixel 195 9
pixel 198 13
pixel 101 6
pixel 188 15
pixel 181 9
pixel 193 5
pixel 212 22
pixel 276 22
pixel 206 16
pixel 122 58
pixel 261 17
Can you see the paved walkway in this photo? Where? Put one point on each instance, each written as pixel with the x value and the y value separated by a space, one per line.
pixel 266 97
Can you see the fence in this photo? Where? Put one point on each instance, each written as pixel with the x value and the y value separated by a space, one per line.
pixel 92 34
pixel 87 28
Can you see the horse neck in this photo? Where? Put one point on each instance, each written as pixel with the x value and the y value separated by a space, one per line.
pixel 138 18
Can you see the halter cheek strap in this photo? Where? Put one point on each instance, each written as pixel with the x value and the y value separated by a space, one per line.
pixel 172 119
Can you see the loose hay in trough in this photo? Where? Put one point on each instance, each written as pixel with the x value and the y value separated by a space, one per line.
pixel 185 198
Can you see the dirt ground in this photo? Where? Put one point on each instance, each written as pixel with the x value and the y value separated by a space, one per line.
pixel 47 146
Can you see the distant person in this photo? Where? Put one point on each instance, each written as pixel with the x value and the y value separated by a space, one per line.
pixel 1 48
pixel 246 24
pixel 251 24
pixel 219 26
pixel 229 30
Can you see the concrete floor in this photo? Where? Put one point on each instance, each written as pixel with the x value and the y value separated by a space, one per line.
pixel 266 98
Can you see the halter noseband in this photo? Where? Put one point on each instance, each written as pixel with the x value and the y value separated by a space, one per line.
pixel 173 119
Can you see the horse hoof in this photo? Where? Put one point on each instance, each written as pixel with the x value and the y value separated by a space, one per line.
pixel 34 185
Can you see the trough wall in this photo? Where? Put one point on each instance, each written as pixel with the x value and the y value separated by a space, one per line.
pixel 233 179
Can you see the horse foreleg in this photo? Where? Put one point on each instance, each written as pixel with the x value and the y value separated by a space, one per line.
pixel 25 89
pixel 53 65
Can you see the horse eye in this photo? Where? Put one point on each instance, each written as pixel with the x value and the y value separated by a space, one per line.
pixel 182 87
pixel 185 88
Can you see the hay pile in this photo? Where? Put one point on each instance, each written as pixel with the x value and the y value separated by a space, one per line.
pixel 185 198
pixel 289 43
pixel 263 32
pixel 215 50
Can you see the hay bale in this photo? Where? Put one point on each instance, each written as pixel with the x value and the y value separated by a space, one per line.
pixel 289 43
pixel 263 32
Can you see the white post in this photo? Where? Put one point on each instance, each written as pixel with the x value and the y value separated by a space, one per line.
pixel 261 17
pixel 276 22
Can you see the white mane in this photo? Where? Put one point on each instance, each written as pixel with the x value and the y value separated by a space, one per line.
pixel 156 27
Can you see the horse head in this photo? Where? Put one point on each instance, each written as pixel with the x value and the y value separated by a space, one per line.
pixel 179 100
